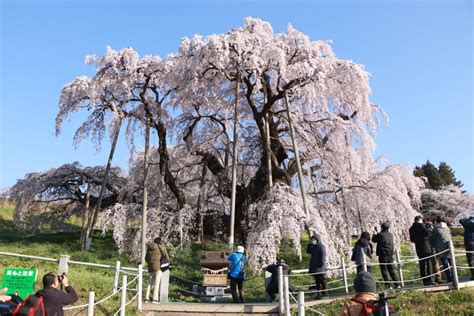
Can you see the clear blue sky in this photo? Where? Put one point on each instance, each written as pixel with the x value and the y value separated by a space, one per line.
pixel 418 52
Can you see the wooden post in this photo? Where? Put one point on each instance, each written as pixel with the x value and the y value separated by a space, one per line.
pixel 90 306
pixel 281 303
pixel 301 303
pixel 286 290
pixel 145 192
pixel 454 269
pixel 297 157
pixel 116 276
pixel 234 162
pixel 140 288
pixel 400 270
pixel 63 264
pixel 269 151
pixel 90 229
pixel 123 298
pixel 344 274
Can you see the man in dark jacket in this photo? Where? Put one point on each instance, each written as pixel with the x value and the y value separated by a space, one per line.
pixel 317 264
pixel 468 224
pixel 384 251
pixel 362 253
pixel 53 298
pixel 420 236
pixel 272 287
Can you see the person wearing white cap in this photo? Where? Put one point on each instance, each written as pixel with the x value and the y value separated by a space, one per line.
pixel 237 261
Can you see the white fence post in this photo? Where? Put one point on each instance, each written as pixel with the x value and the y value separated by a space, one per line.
pixel 164 286
pixel 286 289
pixel 301 303
pixel 400 270
pixel 454 270
pixel 364 262
pixel 123 299
pixel 116 275
pixel 281 307
pixel 344 274
pixel 90 307
pixel 140 288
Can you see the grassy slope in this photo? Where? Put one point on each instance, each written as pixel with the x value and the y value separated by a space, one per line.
pixel 185 265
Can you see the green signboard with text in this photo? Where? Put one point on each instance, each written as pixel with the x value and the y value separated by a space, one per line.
pixel 21 281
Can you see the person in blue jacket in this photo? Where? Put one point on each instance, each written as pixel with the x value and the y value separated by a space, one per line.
pixel 468 224
pixel 317 264
pixel 237 261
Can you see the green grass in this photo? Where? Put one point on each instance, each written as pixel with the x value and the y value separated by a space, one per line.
pixel 185 264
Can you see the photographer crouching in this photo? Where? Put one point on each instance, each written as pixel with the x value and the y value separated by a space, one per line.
pixel 54 298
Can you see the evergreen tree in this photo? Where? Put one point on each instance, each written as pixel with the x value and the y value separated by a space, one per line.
pixel 418 172
pixel 434 178
pixel 447 174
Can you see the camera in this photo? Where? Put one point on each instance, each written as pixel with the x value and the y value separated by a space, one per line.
pixel 61 277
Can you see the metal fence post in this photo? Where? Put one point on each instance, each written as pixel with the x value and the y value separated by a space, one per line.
pixel 281 307
pixel 400 270
pixel 116 275
pixel 123 299
pixel 140 288
pixel 286 289
pixel 454 269
pixel 344 274
pixel 301 303
pixel 90 307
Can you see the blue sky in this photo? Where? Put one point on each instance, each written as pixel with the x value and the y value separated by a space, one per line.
pixel 418 52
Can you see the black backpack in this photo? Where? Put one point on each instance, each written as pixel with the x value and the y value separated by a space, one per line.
pixel 7 308
pixel 31 306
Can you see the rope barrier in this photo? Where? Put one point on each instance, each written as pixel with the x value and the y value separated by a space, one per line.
pixel 75 307
pixel 185 280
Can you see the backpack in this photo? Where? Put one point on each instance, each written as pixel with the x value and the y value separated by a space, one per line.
pixel 31 306
pixel 375 308
pixel 7 308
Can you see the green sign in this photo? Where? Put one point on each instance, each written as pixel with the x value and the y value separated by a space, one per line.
pixel 19 281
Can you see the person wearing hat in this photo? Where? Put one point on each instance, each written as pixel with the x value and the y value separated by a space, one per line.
pixel 272 287
pixel 384 251
pixel 237 261
pixel 365 291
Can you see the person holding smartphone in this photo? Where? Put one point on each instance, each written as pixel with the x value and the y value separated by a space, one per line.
pixel 54 299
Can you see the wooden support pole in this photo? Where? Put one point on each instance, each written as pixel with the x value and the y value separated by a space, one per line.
pixel 301 310
pixel 116 275
pixel 234 162
pixel 145 192
pixel 454 269
pixel 297 157
pixel 344 274
pixel 281 303
pixel 90 306
pixel 123 298
pixel 140 288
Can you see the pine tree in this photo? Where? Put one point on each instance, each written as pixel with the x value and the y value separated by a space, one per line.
pixel 418 172
pixel 447 174
pixel 434 178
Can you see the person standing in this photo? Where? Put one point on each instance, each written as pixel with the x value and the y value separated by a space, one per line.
pixel 434 260
pixel 237 262
pixel 53 298
pixel 362 252
pixel 441 239
pixel 157 260
pixel 420 236
pixel 272 287
pixel 317 264
pixel 468 224
pixel 384 251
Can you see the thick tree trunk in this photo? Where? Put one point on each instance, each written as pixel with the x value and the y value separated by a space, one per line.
pixel 90 228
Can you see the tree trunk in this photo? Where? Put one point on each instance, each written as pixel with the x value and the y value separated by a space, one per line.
pixel 90 229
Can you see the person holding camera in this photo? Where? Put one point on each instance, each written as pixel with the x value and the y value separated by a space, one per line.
pixel 54 299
